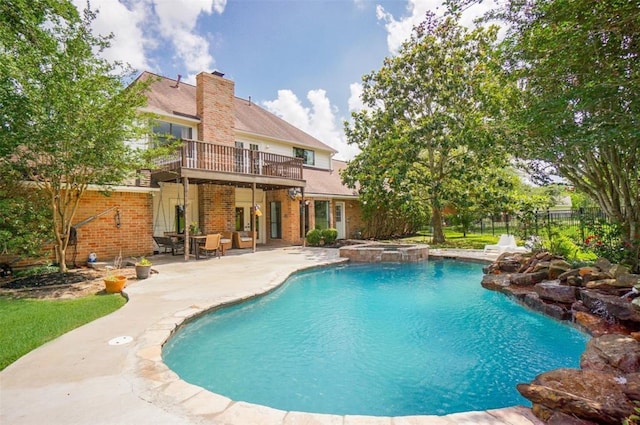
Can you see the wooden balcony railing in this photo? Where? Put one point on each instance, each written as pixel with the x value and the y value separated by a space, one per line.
pixel 198 155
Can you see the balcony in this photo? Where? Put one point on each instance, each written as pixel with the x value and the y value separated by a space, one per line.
pixel 208 162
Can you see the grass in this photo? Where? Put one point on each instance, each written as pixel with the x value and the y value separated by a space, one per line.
pixel 27 324
pixel 454 239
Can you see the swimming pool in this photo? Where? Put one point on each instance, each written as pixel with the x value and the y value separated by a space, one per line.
pixel 383 340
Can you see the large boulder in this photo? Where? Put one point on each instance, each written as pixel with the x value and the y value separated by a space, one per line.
pixel 587 394
pixel 603 264
pixel 528 279
pixel 495 282
pixel 557 311
pixel 558 267
pixel 627 280
pixel 614 353
pixel 594 325
pixel 631 386
pixel 610 306
pixel 553 291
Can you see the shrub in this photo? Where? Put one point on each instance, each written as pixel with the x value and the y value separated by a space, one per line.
pixel 314 236
pixel 329 235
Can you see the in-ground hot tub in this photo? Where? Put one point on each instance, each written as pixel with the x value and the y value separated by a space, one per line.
pixel 379 252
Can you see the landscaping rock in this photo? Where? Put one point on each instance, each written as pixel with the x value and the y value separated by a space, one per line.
pixel 627 280
pixel 528 279
pixel 632 386
pixel 587 394
pixel 558 267
pixel 495 282
pixel 603 264
pixel 569 273
pixel 610 306
pixel 616 354
pixel 559 418
pixel 607 286
pixel 556 311
pixel 575 281
pixel 618 270
pixel 554 291
pixel 596 325
pixel 595 275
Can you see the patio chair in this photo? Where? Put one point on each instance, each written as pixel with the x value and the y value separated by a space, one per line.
pixel 169 243
pixel 506 243
pixel 225 241
pixel 212 243
pixel 243 239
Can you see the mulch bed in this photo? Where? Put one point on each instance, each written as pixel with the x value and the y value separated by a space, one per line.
pixel 75 283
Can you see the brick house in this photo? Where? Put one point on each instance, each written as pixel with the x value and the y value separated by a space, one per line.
pixel 240 168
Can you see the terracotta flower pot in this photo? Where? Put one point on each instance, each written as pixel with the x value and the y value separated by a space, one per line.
pixel 115 284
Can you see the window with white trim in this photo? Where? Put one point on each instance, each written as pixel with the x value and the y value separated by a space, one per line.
pixel 308 156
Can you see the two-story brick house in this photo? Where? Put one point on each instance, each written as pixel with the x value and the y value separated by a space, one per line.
pixel 240 167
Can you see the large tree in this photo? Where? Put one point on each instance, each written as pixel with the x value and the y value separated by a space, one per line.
pixel 66 114
pixel 577 65
pixel 432 114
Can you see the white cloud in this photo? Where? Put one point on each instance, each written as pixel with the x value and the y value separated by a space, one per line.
pixel 129 40
pixel 355 98
pixel 319 120
pixel 141 25
pixel 399 30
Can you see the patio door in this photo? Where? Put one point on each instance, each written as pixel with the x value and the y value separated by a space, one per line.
pixel 339 217
pixel 275 215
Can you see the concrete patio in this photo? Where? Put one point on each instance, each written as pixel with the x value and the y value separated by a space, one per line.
pixel 80 378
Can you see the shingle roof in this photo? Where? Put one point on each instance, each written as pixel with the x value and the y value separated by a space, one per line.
pixel 325 182
pixel 169 98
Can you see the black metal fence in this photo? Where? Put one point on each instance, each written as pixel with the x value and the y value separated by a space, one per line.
pixel 580 222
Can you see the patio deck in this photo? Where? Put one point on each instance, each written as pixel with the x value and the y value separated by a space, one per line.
pixel 80 379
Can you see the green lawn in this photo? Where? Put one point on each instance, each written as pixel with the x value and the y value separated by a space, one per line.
pixel 26 324
pixel 455 239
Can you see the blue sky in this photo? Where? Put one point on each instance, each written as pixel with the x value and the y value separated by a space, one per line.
pixel 301 59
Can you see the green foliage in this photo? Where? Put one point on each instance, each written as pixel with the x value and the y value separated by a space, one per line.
pixel 605 240
pixel 329 235
pixel 314 236
pixel 24 220
pixel 578 110
pixel 144 261
pixel 431 125
pixel 36 270
pixel 634 418
pixel 66 114
pixel 28 324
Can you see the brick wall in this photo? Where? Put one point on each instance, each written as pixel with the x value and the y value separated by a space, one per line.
pixel 354 218
pixel 102 236
pixel 217 207
pixel 290 210
pixel 215 107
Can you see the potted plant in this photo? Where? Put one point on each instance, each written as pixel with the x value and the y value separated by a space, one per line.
pixel 114 283
pixel 143 267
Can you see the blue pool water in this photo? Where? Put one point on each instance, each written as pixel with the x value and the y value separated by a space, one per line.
pixel 382 340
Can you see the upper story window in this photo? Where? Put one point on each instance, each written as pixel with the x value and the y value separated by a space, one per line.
pixel 308 157
pixel 164 130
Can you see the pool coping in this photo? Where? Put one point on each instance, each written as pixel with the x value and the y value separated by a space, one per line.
pixel 80 378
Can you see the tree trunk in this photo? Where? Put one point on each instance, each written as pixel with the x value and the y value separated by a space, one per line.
pixel 436 222
pixel 61 255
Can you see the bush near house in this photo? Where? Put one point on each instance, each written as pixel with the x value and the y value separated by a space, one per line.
pixel 314 237
pixel 329 236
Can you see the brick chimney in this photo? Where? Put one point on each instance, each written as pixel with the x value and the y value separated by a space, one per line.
pixel 215 107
